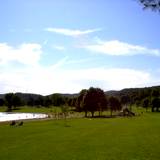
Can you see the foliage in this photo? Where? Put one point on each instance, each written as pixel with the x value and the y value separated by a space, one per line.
pixel 9 101
pixel 80 99
pixel 94 99
pixel 12 100
pixel 114 104
pixel 39 101
pixel 137 95
pixel 125 100
pixel 131 96
pixel 155 104
pixel 146 103
pixel 31 102
pixel 154 5
pixel 17 101
pixel 155 93
pixel 57 99
pixel 47 102
pixel 2 102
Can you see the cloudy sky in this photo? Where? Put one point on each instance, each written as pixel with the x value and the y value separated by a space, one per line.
pixel 49 46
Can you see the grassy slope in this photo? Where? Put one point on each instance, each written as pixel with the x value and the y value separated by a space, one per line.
pixel 82 139
pixel 27 109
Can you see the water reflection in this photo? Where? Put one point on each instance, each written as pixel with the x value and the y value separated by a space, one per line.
pixel 4 116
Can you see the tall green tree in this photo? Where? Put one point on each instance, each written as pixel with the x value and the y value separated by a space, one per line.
pixel 79 100
pixel 39 101
pixel 1 102
pixel 31 101
pixel 9 100
pixel 57 99
pixel 155 93
pixel 12 100
pixel 94 100
pixel 146 103
pixel 16 100
pixel 47 102
pixel 114 104
pixel 125 100
pixel 155 104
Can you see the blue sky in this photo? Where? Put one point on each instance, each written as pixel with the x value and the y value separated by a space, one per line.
pixel 64 46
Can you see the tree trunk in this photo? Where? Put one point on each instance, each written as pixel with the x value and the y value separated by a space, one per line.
pixel 157 109
pixel 85 113
pixel 111 113
pixel 130 107
pixel 9 109
pixel 99 113
pixel 92 114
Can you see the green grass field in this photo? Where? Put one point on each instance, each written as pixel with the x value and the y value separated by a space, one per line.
pixel 34 109
pixel 135 138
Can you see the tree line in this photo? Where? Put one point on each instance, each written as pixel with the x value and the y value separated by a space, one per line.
pixel 17 100
pixel 95 99
pixel 89 100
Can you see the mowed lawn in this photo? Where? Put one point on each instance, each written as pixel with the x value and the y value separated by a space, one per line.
pixel 135 138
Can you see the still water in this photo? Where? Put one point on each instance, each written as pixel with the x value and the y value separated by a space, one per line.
pixel 4 116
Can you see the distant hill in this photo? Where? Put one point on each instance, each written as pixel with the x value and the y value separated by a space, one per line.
pixel 24 96
pixel 112 93
pixel 1 95
pixel 131 91
pixel 65 95
pixel 127 91
pixel 27 96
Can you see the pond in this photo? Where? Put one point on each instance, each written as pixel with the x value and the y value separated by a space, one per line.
pixel 5 116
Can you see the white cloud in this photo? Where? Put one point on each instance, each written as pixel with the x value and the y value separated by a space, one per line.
pixel 71 32
pixel 59 63
pixel 57 78
pixel 47 80
pixel 27 53
pixel 105 78
pixel 59 47
pixel 79 61
pixel 119 48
